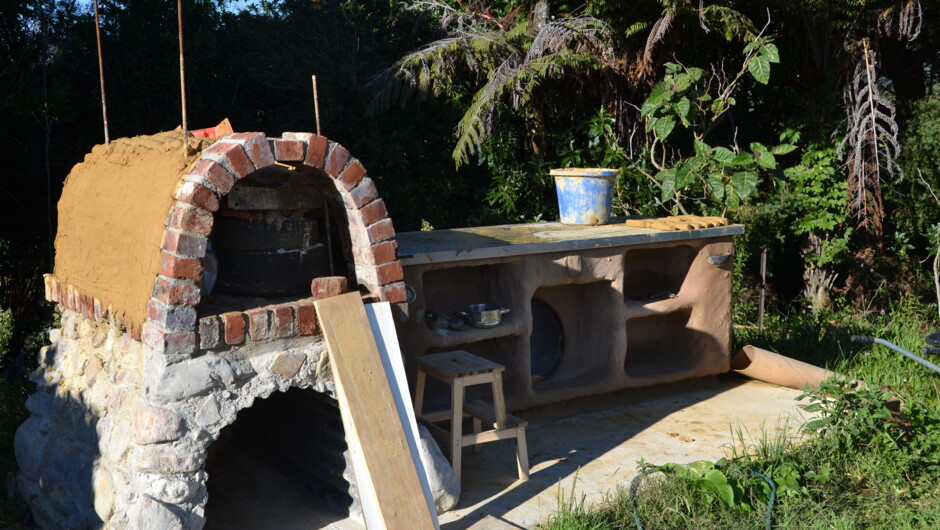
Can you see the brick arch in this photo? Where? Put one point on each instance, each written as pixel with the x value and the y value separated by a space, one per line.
pixel 171 326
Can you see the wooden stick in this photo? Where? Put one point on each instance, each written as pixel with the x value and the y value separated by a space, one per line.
pixel 104 105
pixel 316 103
pixel 763 288
pixel 179 18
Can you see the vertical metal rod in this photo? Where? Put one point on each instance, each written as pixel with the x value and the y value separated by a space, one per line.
pixel 104 105
pixel 179 18
pixel 763 288
pixel 316 103
pixel 329 237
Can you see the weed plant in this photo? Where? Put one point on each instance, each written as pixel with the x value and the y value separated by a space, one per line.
pixel 858 465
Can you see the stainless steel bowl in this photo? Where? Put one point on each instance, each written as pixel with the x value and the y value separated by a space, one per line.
pixel 483 315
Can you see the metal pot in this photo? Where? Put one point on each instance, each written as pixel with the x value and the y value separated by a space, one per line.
pixel 483 315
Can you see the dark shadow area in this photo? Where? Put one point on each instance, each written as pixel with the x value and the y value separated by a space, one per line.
pixel 280 465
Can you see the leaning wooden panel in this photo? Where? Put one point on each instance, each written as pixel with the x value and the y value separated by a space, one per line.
pixel 373 426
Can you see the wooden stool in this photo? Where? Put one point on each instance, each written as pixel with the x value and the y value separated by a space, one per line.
pixel 460 369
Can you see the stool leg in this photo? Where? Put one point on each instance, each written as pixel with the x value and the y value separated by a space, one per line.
pixel 456 425
pixel 419 393
pixel 499 403
pixel 522 454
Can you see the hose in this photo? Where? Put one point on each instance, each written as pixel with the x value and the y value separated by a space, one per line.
pixel 864 339
pixel 635 485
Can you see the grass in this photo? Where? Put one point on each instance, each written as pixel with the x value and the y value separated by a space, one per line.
pixel 860 466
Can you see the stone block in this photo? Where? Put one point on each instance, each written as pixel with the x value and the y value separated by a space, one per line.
pixel 155 425
pixel 287 365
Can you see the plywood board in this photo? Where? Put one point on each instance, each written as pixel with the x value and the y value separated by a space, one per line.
pixel 387 473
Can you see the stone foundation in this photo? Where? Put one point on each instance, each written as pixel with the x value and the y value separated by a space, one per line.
pixel 119 437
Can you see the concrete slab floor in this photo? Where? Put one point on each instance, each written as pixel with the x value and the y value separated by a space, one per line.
pixel 592 444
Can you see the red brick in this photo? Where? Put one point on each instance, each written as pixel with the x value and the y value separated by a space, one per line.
pixel 258 324
pixel 256 145
pixel 180 317
pixel 190 219
pixel 197 195
pixel 351 176
pixel 364 193
pixel 306 319
pixel 282 321
pixel 375 275
pixel 336 160
pixel 55 292
pixel 288 150
pixel 174 291
pixel 167 342
pixel 134 331
pixel 185 244
pixel 327 286
pixel 393 292
pixel 179 267
pixel 209 332
pixel 232 156
pixel 88 306
pixel 373 212
pixel 234 327
pixel 377 254
pixel 371 234
pixel 316 152
pixel 215 174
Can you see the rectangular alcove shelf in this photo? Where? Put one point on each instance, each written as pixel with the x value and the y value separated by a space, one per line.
pixel 592 309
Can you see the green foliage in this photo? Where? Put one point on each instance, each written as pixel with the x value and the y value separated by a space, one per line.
pixel 708 477
pixel 6 331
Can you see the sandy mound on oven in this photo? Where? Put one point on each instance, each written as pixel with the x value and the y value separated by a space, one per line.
pixel 112 215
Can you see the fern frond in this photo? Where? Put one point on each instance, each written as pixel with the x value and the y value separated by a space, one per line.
pixel 730 22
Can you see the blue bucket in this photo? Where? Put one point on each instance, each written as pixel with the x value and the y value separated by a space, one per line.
pixel 584 194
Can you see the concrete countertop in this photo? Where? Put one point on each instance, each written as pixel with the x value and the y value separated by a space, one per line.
pixel 485 242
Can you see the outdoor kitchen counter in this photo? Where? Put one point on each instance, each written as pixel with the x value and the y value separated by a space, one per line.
pixel 591 309
pixel 485 242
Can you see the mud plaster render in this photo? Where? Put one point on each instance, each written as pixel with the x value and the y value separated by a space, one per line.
pixel 112 215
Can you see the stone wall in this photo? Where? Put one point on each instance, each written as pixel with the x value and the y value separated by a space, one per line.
pixel 119 437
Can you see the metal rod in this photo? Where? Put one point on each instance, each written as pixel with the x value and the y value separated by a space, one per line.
pixel 865 339
pixel 316 103
pixel 179 18
pixel 104 105
pixel 329 237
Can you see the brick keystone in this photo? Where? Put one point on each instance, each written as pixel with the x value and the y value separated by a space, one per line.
pixel 288 150
pixel 234 327
pixel 184 243
pixel 215 174
pixel 180 267
pixel 327 286
pixel 232 156
pixel 336 160
pixel 256 145
pixel 316 152
pixel 197 195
